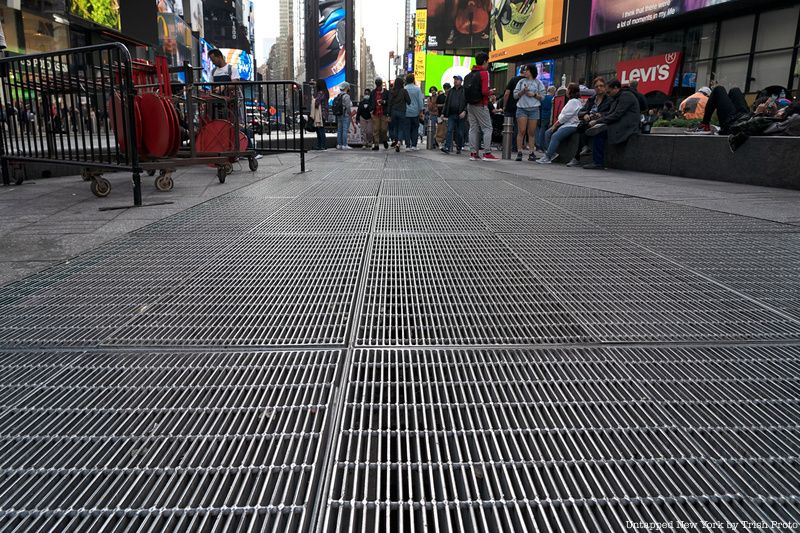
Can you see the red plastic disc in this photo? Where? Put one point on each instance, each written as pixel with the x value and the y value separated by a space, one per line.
pixel 155 126
pixel 172 122
pixel 218 136
pixel 137 111
pixel 116 116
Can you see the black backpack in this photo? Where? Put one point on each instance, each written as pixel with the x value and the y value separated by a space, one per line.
pixel 338 105
pixel 473 90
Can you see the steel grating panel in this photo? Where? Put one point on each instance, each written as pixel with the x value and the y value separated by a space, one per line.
pixel 345 188
pixel 554 189
pixel 765 266
pixel 284 187
pixel 554 440
pixel 195 442
pixel 426 215
pixel 221 215
pixel 469 174
pixel 620 292
pixel 486 189
pixel 527 214
pixel 354 174
pixel 456 289
pixel 404 187
pixel 409 174
pixel 638 215
pixel 322 215
pixel 266 290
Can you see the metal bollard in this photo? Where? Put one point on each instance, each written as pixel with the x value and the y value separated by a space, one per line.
pixel 508 133
pixel 431 132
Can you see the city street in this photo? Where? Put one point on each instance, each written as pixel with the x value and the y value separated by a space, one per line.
pixel 400 342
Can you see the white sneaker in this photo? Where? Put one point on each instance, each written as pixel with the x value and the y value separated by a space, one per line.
pixel 544 160
pixel 338 146
pixel 574 163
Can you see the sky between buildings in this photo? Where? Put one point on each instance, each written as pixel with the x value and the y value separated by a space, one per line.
pixel 379 18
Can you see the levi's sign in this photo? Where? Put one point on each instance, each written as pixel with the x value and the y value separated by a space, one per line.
pixel 656 73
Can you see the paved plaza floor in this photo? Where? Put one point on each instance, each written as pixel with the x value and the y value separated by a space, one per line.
pixel 401 342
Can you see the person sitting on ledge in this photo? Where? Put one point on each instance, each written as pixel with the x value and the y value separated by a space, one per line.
pixel 616 127
pixel 566 125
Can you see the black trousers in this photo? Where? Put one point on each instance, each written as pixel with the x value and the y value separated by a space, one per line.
pixel 728 106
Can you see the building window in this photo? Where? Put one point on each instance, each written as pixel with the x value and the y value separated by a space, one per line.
pixel 44 34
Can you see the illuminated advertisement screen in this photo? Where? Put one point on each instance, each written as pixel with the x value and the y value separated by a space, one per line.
pixel 546 70
pixel 458 24
pixel 522 26
pixel 441 69
pixel 612 15
pixel 332 39
pixel 205 62
pixel 103 12
pixel 240 60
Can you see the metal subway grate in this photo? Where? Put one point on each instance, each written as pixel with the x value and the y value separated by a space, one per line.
pixel 620 292
pixel 437 188
pixel 322 215
pixel 345 188
pixel 428 215
pixel 637 215
pixel 354 174
pixel 527 214
pixel 193 442
pixel 765 266
pixel 284 187
pixel 565 440
pixel 469 174
pixel 409 174
pixel 221 215
pixel 456 289
pixel 277 290
pixel 81 302
pixel 554 189
pixel 486 189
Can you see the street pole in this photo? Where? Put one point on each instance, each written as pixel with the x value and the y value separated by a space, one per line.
pixel 508 132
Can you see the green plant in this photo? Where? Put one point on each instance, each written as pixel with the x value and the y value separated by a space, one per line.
pixel 105 12
pixel 676 123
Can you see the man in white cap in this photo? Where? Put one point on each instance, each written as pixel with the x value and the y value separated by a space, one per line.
pixel 694 107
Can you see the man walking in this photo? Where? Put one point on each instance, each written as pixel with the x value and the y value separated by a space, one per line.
pixel 415 111
pixel 365 120
pixel 378 108
pixel 476 90
pixel 455 109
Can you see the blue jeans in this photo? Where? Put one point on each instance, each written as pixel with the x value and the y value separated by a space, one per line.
pixel 397 127
pixel 412 125
pixel 599 149
pixel 342 125
pixel 321 140
pixel 553 140
pixel 454 131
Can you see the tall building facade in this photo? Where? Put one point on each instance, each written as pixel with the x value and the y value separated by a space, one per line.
pixel 229 23
pixel 366 64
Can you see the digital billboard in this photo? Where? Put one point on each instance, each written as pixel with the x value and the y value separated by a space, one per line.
pixel 241 61
pixel 103 12
pixel 458 24
pixel 441 69
pixel 522 26
pixel 332 39
pixel 420 35
pixel 545 71
pixel 612 15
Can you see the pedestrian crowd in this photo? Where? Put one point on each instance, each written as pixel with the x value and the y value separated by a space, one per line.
pixel 470 114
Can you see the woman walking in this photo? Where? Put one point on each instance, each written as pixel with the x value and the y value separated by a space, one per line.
pixel 345 119
pixel 529 94
pixel 398 102
pixel 320 113
pixel 566 125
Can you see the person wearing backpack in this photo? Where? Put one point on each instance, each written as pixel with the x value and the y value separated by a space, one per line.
pixel 343 111
pixel 476 90
pixel 398 101
pixel 415 112
pixel 455 109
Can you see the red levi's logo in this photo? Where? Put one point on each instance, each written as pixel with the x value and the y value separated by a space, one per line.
pixel 656 73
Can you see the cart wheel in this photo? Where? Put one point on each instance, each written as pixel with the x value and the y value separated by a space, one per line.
pixel 164 183
pixel 253 164
pixel 221 174
pixel 151 173
pixel 228 169
pixel 101 187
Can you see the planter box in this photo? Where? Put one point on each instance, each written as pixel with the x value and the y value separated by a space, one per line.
pixel 666 130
